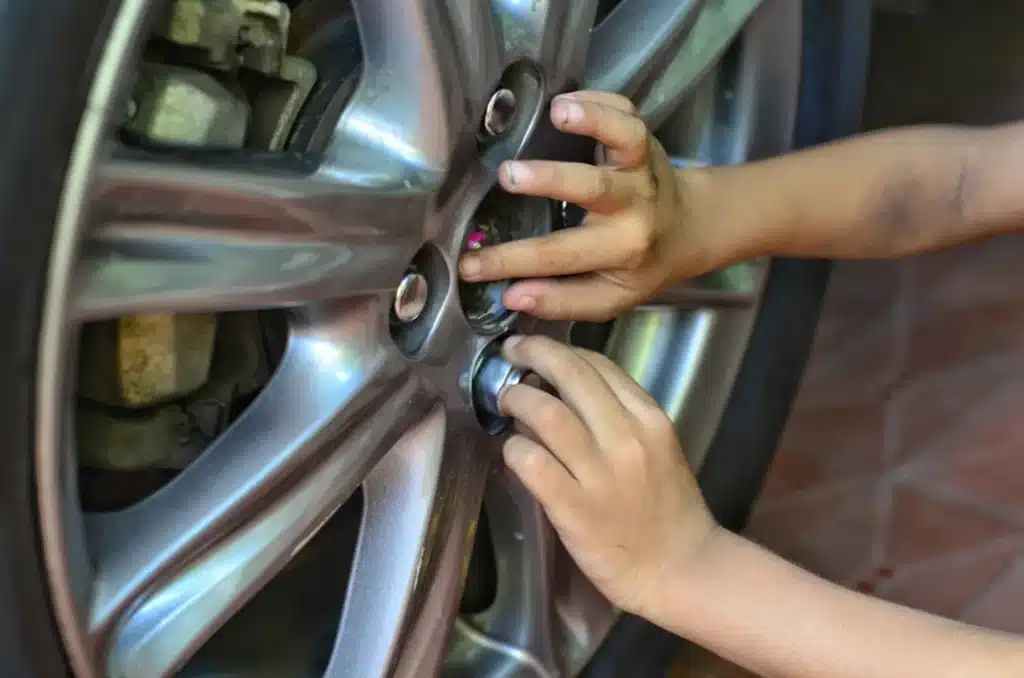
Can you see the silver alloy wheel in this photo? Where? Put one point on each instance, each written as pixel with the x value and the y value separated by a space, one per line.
pixel 137 592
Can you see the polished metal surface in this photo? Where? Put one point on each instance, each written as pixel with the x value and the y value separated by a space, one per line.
pixel 493 375
pixel 411 297
pixel 328 241
pixel 499 112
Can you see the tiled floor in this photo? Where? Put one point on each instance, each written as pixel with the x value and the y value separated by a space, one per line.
pixel 902 471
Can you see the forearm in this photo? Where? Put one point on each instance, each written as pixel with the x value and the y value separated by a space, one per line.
pixel 880 195
pixel 777 620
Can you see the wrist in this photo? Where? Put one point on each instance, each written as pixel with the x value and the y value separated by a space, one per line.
pixel 679 573
pixel 728 215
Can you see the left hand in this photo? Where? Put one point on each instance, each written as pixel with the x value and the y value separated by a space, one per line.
pixel 636 239
pixel 604 462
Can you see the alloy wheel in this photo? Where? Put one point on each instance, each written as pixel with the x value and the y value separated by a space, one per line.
pixel 382 385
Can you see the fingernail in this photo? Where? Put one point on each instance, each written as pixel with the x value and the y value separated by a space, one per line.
pixel 513 341
pixel 470 266
pixel 517 173
pixel 568 112
pixel 501 399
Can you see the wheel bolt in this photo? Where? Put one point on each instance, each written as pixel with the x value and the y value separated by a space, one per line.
pixel 501 110
pixel 493 376
pixel 411 297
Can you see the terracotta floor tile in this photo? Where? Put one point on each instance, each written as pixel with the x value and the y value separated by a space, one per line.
pixel 954 337
pixel 857 344
pixel 935 409
pixel 830 532
pixel 834 445
pixel 989 431
pixel 924 527
pixel 863 367
pixel 947 587
pixel 983 274
pixel 1002 609
pixel 998 485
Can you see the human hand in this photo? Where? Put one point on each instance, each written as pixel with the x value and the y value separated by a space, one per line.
pixel 603 460
pixel 641 233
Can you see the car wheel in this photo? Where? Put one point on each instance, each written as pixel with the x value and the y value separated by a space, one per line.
pixel 249 405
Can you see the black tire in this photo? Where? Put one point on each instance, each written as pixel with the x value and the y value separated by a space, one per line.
pixel 836 37
pixel 49 50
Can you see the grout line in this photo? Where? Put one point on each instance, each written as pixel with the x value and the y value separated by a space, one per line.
pixel 1000 582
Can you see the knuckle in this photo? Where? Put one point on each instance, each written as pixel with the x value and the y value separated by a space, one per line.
pixel 636 134
pixel 602 184
pixel 551 415
pixel 646 187
pixel 638 247
pixel 629 447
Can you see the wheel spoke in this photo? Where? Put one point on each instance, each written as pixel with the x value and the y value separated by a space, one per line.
pixel 174 237
pixel 518 625
pixel 553 33
pixel 409 110
pixel 330 411
pixel 619 60
pixel 583 616
pixel 692 296
pixel 420 514
pixel 717 27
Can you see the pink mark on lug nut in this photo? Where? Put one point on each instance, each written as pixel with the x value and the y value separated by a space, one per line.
pixel 477 240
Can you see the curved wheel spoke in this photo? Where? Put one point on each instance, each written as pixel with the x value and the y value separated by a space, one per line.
pixel 733 287
pixel 409 108
pixel 717 27
pixel 554 33
pixel 693 296
pixel 517 629
pixel 331 409
pixel 619 59
pixel 583 616
pixel 174 237
pixel 421 507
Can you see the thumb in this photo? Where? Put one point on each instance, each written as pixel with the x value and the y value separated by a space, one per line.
pixel 585 297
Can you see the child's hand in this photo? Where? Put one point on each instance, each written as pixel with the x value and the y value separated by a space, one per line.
pixel 636 239
pixel 603 460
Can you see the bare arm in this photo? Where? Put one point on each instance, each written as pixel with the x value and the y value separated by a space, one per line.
pixel 885 194
pixel 777 620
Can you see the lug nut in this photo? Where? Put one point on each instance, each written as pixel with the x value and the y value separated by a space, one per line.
pixel 493 376
pixel 411 297
pixel 500 112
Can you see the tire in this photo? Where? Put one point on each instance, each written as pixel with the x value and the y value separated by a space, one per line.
pixel 836 37
pixel 49 51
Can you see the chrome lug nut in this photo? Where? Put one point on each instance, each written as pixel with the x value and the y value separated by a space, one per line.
pixel 500 112
pixel 493 375
pixel 411 297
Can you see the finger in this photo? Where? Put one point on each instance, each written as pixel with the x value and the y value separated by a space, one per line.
pixel 623 134
pixel 632 394
pixel 541 473
pixel 579 385
pixel 586 297
pixel 554 424
pixel 596 189
pixel 574 250
pixel 610 99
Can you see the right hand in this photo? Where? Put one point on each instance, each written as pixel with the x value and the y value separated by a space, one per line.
pixel 643 231
pixel 603 460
